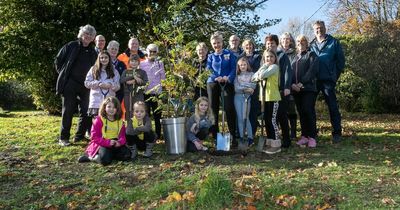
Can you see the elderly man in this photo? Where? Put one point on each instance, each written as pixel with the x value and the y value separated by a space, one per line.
pixel 100 42
pixel 234 43
pixel 73 62
pixel 331 65
pixel 133 49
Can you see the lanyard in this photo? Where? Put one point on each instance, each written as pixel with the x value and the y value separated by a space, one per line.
pixel 104 94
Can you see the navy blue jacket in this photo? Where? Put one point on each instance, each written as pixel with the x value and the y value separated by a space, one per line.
pixel 331 58
pixel 254 60
pixel 285 71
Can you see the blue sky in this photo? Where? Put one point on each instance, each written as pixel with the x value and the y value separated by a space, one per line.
pixel 286 9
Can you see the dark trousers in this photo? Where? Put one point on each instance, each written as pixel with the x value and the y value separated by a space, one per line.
pixel 328 90
pixel 149 137
pixel 151 107
pixel 199 92
pixel 74 94
pixel 106 155
pixel 305 103
pixel 270 117
pixel 202 134
pixel 283 119
pixel 255 110
pixel 214 93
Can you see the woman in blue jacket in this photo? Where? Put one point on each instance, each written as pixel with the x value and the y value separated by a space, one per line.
pixel 222 64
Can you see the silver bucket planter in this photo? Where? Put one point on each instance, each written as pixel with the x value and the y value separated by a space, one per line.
pixel 174 130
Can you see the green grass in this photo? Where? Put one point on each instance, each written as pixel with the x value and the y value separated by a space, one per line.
pixel 363 172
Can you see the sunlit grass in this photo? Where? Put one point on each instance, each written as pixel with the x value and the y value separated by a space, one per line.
pixel 361 173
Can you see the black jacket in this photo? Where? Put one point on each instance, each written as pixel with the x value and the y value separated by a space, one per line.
pixel 305 68
pixel 65 60
pixel 254 60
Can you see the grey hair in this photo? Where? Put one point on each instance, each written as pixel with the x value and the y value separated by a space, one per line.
pixel 202 45
pixel 151 47
pixel 217 35
pixel 292 41
pixel 319 22
pixel 86 29
pixel 113 43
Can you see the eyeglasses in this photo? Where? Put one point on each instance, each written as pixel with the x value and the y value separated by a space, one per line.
pixel 153 51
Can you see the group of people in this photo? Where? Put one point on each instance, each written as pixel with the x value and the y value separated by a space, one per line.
pixel 112 92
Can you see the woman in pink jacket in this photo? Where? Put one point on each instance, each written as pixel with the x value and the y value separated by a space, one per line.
pixel 107 135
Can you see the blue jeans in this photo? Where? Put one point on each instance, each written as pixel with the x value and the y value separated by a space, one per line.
pixel 240 113
pixel 328 90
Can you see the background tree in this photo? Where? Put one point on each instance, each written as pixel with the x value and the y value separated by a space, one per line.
pixel 371 30
pixel 364 17
pixel 33 31
pixel 297 26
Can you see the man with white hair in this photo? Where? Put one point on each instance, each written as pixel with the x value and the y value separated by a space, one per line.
pixel 100 42
pixel 72 63
pixel 133 49
pixel 234 45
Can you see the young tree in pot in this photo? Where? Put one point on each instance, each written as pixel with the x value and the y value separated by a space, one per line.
pixel 181 80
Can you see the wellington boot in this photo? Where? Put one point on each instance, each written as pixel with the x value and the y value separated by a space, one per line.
pixel 133 150
pixel 149 150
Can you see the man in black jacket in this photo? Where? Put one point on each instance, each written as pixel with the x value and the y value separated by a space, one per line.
pixel 72 63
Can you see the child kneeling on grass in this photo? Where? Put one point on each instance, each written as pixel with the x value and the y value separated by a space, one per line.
pixel 107 135
pixel 138 133
pixel 198 125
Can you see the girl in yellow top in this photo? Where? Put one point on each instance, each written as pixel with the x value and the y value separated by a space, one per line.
pixel 268 76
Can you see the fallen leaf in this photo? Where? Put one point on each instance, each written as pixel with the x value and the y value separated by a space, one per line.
pixel 142 176
pixel 42 166
pixel 164 166
pixel 189 196
pixel 324 207
pixel 251 207
pixel 249 200
pixel 72 205
pixel 202 161
pixel 332 164
pixel 257 194
pixel 51 207
pixel 175 196
pixel 388 201
pixel 286 200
